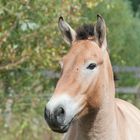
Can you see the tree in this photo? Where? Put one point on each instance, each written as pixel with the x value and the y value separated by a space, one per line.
pixel 30 43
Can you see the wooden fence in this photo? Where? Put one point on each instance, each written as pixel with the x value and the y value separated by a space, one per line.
pixel 127 69
pixel 117 69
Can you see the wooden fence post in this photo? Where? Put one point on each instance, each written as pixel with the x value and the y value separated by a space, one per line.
pixel 138 96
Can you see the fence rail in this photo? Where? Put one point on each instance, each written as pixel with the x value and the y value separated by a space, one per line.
pixel 126 69
pixel 118 69
pixel 127 90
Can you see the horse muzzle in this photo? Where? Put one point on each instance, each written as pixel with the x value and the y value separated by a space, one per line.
pixel 56 120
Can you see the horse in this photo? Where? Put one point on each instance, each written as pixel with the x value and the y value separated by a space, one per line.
pixel 83 105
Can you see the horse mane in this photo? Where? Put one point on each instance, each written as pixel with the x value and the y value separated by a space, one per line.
pixel 85 31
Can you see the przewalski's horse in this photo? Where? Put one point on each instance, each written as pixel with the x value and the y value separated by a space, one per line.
pixel 83 104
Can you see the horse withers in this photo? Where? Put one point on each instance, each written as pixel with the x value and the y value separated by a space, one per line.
pixel 83 105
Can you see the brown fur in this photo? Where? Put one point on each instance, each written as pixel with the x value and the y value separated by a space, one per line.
pixel 103 117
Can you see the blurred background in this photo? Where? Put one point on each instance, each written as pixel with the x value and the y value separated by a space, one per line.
pixel 31 46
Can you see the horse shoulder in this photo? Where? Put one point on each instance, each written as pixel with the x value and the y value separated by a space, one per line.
pixel 128 120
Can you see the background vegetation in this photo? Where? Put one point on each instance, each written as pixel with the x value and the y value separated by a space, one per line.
pixel 30 45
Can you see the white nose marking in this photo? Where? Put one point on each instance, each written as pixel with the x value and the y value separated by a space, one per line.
pixel 71 105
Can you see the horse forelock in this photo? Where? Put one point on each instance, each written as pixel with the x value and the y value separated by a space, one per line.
pixel 85 31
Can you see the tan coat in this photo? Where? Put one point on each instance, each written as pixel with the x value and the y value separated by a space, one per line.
pixel 126 125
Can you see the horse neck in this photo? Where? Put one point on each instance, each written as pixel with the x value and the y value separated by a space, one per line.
pixel 100 123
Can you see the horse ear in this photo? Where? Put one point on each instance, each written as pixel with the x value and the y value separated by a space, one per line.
pixel 68 33
pixel 100 32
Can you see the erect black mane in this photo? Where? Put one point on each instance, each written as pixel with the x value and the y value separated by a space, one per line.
pixel 85 31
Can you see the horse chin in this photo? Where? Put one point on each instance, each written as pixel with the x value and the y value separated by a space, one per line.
pixel 62 129
pixel 65 128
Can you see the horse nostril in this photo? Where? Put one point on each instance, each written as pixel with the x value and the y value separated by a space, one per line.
pixel 55 119
pixel 60 111
pixel 60 115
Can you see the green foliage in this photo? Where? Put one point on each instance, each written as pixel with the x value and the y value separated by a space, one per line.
pixel 130 82
pixel 135 5
pixel 127 97
pixel 30 43
pixel 123 30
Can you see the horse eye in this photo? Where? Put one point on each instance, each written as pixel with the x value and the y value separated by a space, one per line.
pixel 91 66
